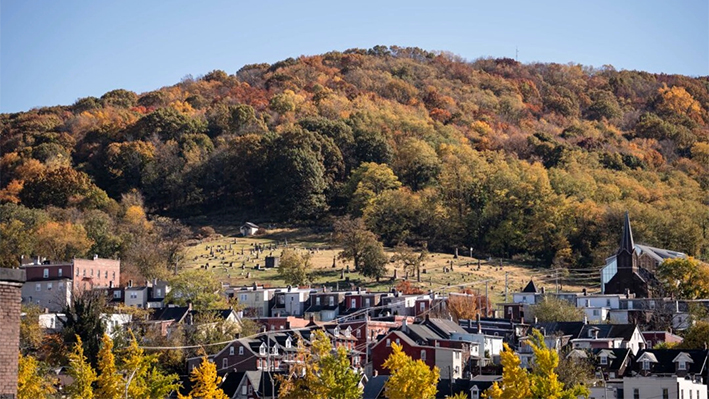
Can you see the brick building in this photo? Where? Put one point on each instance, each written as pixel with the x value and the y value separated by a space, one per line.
pixel 11 281
pixel 50 285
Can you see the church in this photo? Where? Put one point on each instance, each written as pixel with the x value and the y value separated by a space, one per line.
pixel 632 268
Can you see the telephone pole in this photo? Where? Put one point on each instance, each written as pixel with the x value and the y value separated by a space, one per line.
pixel 506 285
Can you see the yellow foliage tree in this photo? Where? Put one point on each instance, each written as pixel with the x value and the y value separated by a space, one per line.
pixel 515 379
pixel 62 240
pixel 82 373
pixel 109 381
pixel 31 384
pixel 409 378
pixel 205 380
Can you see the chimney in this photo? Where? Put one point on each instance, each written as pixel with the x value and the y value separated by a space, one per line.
pixel 585 292
pixel 595 334
pixel 676 306
pixel 477 318
pixel 585 319
pixel 95 256
pixel 289 288
pixel 130 283
pixel 405 325
pixel 627 293
pixel 376 373
pixel 110 284
pixel 543 290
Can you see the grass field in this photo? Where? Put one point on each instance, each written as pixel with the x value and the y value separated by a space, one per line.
pixel 234 260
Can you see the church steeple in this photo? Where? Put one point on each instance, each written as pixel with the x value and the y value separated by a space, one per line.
pixel 626 242
pixel 625 256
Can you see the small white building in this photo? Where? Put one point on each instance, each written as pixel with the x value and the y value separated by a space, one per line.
pixel 248 229
pixel 664 387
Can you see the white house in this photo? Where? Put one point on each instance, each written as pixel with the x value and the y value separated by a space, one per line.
pixel 248 229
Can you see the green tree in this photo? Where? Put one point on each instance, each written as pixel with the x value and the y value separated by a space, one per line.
pixel 410 259
pixel 409 378
pixel 31 381
pixel 83 320
pixel 143 377
pixel 551 309
pixel 294 267
pixel 416 163
pixel 360 246
pixel 197 287
pixel 82 373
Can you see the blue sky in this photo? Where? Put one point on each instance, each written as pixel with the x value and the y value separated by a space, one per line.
pixel 54 52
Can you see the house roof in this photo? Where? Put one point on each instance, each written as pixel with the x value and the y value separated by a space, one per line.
pixel 444 327
pixel 659 254
pixel 616 357
pixel 420 332
pixel 176 313
pixel 626 241
pixel 665 360
pixel 375 387
pixel 447 387
pixel 231 382
pixel 531 287
pixel 249 225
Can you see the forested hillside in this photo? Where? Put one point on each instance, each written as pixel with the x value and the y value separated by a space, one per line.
pixel 537 161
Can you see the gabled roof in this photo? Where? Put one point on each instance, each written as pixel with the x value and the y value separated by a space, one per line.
pixel 531 287
pixel 176 313
pixel 231 382
pixel 375 387
pixel 616 357
pixel 420 332
pixel 250 225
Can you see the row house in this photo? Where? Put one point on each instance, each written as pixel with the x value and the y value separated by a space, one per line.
pixel 324 306
pixel 50 285
pixel 290 301
pixel 255 300
pixel 582 335
pixel 448 360
pixel 668 373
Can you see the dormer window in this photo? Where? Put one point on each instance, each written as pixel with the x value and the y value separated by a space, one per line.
pixel 231 351
pixel 348 332
pixel 274 350
pixel 262 350
pixel 604 360
pixel 241 350
pixel 336 331
pixel 289 343
pixel 646 365
pixel 681 366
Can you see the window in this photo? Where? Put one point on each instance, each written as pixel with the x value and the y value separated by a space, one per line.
pixel 422 306
pixel 331 300
pixel 353 303
pixel 636 393
pixel 608 302
pixel 457 355
pixel 46 273
pixel 133 295
pixel 60 272
pixel 398 342
pixel 114 276
pixel 49 286
pixel 274 350
pixel 251 390
pixel 690 394
pixel 225 363
pixel 92 272
pixel 38 287
pixel 366 302
pixel 231 351
pixel 359 333
pixel 288 343
pixel 77 272
pixel 105 275
pixel 596 312
pixel 682 366
pixel 60 286
pixel 317 301
pixel 84 272
pixel 117 294
pixel 423 355
pixel 604 360
pixel 241 350
pixel 243 390
pixel 242 297
pixel 646 365
pixel 262 350
pixel 665 393
pixel 388 340
pixel 159 293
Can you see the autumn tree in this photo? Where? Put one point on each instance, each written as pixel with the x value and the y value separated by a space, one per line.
pixel 409 378
pixel 31 382
pixel 366 182
pixel 109 382
pixel 144 378
pixel 81 371
pixel 467 305
pixel 696 336
pixel 205 382
pixel 321 373
pixel 515 380
pixel 62 241
pixel 360 246
pixel 294 267
pixel 30 331
pixel 684 278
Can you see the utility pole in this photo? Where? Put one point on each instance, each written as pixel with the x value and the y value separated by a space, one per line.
pixel 516 53
pixel 506 285
pixel 487 300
